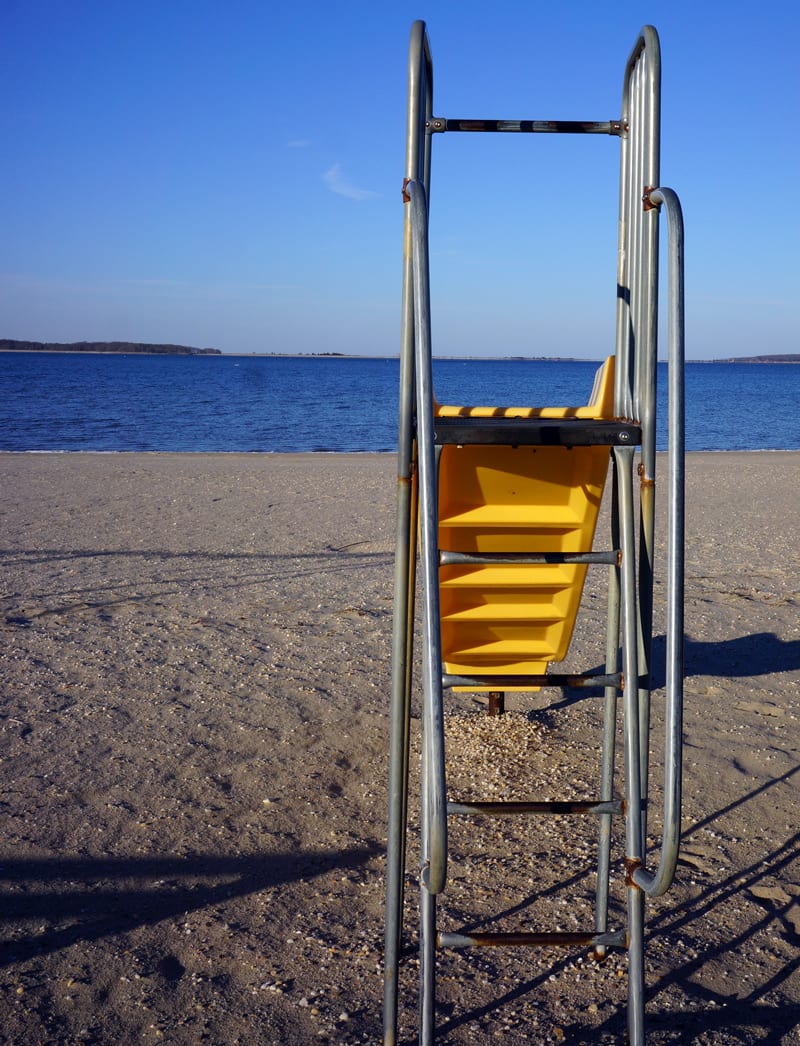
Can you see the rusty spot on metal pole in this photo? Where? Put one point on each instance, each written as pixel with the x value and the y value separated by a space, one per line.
pixel 646 201
pixel 632 865
pixel 406 194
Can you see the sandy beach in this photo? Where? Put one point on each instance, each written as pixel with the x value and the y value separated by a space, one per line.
pixel 195 672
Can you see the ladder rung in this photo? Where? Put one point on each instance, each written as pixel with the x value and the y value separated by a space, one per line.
pixel 440 124
pixel 509 809
pixel 563 432
pixel 500 682
pixel 449 559
pixel 531 940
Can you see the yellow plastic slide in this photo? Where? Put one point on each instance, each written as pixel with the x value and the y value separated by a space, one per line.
pixel 506 619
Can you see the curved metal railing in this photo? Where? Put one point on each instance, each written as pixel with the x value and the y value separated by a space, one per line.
pixel 657 883
pixel 434 799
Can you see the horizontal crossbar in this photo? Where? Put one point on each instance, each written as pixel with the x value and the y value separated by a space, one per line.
pixel 553 679
pixel 439 124
pixel 563 432
pixel 613 806
pixel 531 940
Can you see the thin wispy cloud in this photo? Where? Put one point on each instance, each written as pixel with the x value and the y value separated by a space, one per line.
pixel 298 143
pixel 339 183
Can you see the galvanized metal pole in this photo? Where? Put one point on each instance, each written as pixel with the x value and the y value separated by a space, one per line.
pixel 420 103
pixel 633 833
pixel 434 869
pixel 608 751
pixel 433 856
pixel 658 883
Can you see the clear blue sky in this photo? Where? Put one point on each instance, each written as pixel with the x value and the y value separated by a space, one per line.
pixel 228 174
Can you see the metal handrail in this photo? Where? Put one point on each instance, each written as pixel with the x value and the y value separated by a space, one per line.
pixel 657 883
pixel 434 857
pixel 640 121
pixel 636 348
pixel 420 108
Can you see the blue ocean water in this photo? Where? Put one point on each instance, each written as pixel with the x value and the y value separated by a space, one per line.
pixel 78 402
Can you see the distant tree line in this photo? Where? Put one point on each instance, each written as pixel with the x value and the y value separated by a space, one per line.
pixel 9 345
pixel 779 357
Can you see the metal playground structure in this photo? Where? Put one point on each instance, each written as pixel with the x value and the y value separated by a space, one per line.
pixel 497 510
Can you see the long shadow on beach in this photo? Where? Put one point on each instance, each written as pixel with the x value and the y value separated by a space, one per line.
pixel 201 569
pixel 91 898
pixel 758 654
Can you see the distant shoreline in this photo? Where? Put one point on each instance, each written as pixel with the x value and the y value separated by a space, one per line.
pixel 786 357
pixel 106 348
pixel 112 348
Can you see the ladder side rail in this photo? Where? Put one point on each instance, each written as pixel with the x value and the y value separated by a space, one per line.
pixel 399 745
pixel 417 168
pixel 641 298
pixel 610 707
pixel 434 856
pixel 634 853
pixel 637 247
pixel 433 790
pixel 420 104
pixel 639 307
pixel 625 333
pixel 419 108
pixel 623 400
pixel 647 129
pixel 657 883
pixel 645 294
pixel 635 398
